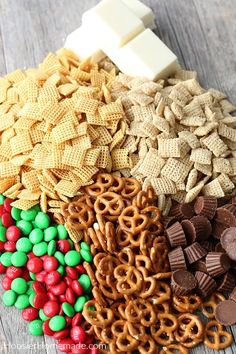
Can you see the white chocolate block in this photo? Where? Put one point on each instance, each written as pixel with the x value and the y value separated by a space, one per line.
pixel 82 42
pixel 113 23
pixel 146 56
pixel 142 11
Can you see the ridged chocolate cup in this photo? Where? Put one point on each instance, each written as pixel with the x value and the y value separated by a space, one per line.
pixel 183 282
pixel 222 201
pixel 167 221
pixel 199 266
pixel 217 263
pixel 205 284
pixel 194 252
pixel 219 248
pixel 217 229
pixel 206 206
pixel 182 211
pixel 232 296
pixel 197 228
pixel 226 282
pixel 225 312
pixel 175 235
pixel 228 242
pixel 226 215
pixel 208 245
pixel 177 259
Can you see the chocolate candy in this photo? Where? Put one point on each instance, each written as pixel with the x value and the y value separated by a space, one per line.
pixel 226 312
pixel 167 221
pixel 205 284
pixel 197 228
pixel 233 295
pixel 226 282
pixel 228 242
pixel 177 259
pixel 194 252
pixel 226 215
pixel 182 211
pixel 217 263
pixel 183 282
pixel 200 266
pixel 176 235
pixel 206 206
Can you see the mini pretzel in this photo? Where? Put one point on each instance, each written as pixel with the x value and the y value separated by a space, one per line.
pixel 174 349
pixel 110 236
pixel 122 237
pixel 190 330
pixel 126 343
pixel 187 303
pixel 163 331
pixel 103 182
pixel 117 185
pixel 109 204
pixel 121 310
pixel 209 306
pixel 152 212
pixel 136 330
pixel 155 227
pixel 93 236
pixel 141 200
pixel 143 261
pixel 129 279
pixel 149 285
pixel 97 294
pixel 145 309
pixel 118 327
pixel 108 265
pixel 147 346
pixel 132 221
pixel 131 188
pixel 90 273
pixel 126 256
pixel 146 242
pixel 101 223
pixel 109 290
pixel 80 216
pixel 159 258
pixel 216 337
pixel 164 307
pixel 162 293
pixel 58 218
pixel 98 258
pixel 100 317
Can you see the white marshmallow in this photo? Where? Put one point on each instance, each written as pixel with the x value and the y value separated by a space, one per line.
pixel 142 11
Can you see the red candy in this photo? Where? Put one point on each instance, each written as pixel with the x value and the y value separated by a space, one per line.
pixel 14 272
pixel 64 345
pixel 29 314
pixel 2 209
pixel 6 283
pixel 9 246
pixel 7 220
pixel 63 246
pixel 46 329
pixel 72 272
pixel 59 288
pixel 31 255
pixel 26 275
pixel 81 269
pixel 70 296
pixel 7 204
pixel 64 333
pixel 39 288
pixel 2 268
pixel 68 281
pixel 78 334
pixel 34 265
pixel 41 276
pixel 13 233
pixel 77 287
pixel 62 298
pixel 51 308
pixel 77 319
pixel 40 300
pixel 2 244
pixel 50 264
pixel 52 278
pixel 52 297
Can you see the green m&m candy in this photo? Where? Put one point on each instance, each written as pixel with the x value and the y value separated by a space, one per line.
pixel 61 269
pixel 60 257
pixel 86 255
pixel 68 309
pixel 31 299
pixel 24 244
pixel 85 246
pixel 42 315
pixel 62 232
pixel 85 282
pixel 15 213
pixel 40 249
pixel 50 233
pixel 3 233
pixel 22 302
pixel 19 285
pixel 36 236
pixel 36 327
pixel 2 198
pixel 57 323
pixel 52 246
pixel 25 227
pixel 79 304
pixel 72 258
pixel 42 220
pixel 19 259
pixel 9 298
pixel 28 215
pixel 6 259
pixel 32 275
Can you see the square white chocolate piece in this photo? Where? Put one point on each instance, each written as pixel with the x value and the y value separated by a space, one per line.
pixel 146 56
pixel 82 42
pixel 142 11
pixel 113 23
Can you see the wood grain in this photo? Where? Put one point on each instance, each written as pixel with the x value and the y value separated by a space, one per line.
pixel 202 34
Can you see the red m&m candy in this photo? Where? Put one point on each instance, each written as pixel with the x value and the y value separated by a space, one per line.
pixel 13 233
pixel 29 314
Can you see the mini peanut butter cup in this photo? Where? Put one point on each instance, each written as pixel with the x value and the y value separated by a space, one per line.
pixel 198 228
pixel 177 259
pixel 200 266
pixel 219 248
pixel 205 284
pixel 226 282
pixel 226 312
pixel 228 242
pixel 233 200
pixel 194 252
pixel 183 282
pixel 167 221
pixel 226 215
pixel 182 211
pixel 206 206
pixel 176 236
pixel 208 245
pixel 217 229
pixel 232 296
pixel 222 201
pixel 217 263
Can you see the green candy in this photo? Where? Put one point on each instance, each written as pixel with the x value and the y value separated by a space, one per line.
pixel 40 249
pixel 36 236
pixel 42 220
pixel 60 257
pixel 85 246
pixel 42 315
pixel 57 323
pixel 31 299
pixel 6 259
pixel 86 255
pixel 2 198
pixel 32 275
pixel 24 245
pixel 1 222
pixel 3 233
pixel 25 227
pixel 50 233
pixel 85 282
pixel 62 232
pixel 72 258
pixel 22 302
pixel 61 270
pixel 28 215
pixel 52 246
pixel 71 243
pixel 19 259
pixel 36 208
pixel 9 298
pixel 30 289
pixel 68 309
pixel 15 213
pixel 19 285
pixel 36 327
pixel 79 304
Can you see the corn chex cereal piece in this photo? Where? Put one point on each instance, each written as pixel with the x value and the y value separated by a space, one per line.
pixel 52 112
pixel 163 185
pixel 154 168
pixel 215 144
pixel 214 189
pixel 221 165
pixel 63 132
pixel 21 143
pixel 202 156
pixel 149 130
pixel 6 183
pixel 175 170
pixel 205 129
pixel 205 169
pixel 225 183
pixel 169 147
pixel 73 156
pixel 192 179
pixel 161 124
pixel 190 138
pixel 67 188
pixel 86 105
pixel 7 169
pixel 120 159
pixel 227 132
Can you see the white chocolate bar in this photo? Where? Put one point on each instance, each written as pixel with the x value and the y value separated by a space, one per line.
pixel 142 11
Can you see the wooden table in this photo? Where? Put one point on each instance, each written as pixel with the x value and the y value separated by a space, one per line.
pixel 201 32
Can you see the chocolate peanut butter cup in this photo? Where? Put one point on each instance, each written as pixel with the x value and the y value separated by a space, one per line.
pixel 177 259
pixel 217 229
pixel 206 206
pixel 194 252
pixel 183 282
pixel 226 312
pixel 233 295
pixel 167 221
pixel 226 282
pixel 228 242
pixel 205 283
pixel 200 266
pixel 208 245
pixel 219 248
pixel 198 228
pixel 226 215
pixel 176 236
pixel 182 211
pixel 217 263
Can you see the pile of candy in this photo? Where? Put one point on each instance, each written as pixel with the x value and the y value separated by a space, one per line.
pixel 45 278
